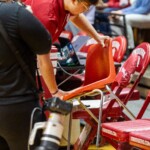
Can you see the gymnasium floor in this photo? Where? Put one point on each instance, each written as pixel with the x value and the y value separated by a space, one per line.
pixel 107 147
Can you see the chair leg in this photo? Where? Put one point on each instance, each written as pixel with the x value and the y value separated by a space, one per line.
pixel 123 146
pixel 87 135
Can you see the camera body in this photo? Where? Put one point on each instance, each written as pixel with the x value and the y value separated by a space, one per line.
pixel 53 127
pixel 56 105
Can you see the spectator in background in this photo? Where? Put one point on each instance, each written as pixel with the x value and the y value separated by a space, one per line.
pixel 137 7
pixel 137 15
pixel 102 23
pixel 112 5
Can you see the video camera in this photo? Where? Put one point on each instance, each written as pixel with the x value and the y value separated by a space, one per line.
pixel 53 127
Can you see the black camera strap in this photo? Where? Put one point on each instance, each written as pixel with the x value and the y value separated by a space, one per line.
pixel 21 62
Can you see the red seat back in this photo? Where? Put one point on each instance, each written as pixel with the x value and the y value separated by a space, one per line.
pixel 137 62
pixel 125 73
pixel 143 52
pixel 97 63
pixel 143 60
pixel 119 46
pixel 99 71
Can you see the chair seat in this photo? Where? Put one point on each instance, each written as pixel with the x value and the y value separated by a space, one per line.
pixel 140 139
pixel 94 105
pixel 94 108
pixel 119 131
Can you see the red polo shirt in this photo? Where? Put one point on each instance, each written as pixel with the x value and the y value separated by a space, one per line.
pixel 51 13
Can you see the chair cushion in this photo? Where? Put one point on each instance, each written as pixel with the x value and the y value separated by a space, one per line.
pixel 120 130
pixel 140 139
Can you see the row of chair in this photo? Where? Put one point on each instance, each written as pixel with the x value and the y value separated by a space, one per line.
pixel 99 72
pixel 137 62
pixel 129 134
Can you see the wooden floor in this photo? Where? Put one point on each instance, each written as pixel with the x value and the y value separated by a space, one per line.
pixel 107 147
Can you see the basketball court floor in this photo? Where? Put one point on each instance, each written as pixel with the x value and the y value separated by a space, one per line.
pixel 107 147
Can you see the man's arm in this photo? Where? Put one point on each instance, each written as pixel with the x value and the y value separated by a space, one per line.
pixel 47 71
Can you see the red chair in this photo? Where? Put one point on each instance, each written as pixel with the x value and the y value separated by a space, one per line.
pixel 119 46
pixel 137 62
pixel 104 73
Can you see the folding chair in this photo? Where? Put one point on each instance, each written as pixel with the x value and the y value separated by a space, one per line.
pixel 137 62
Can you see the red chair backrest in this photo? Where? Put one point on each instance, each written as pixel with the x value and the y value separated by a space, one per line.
pixel 125 73
pixel 99 71
pixel 143 52
pixel 97 63
pixel 138 61
pixel 119 46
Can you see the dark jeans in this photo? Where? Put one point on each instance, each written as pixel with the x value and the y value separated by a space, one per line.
pixel 15 123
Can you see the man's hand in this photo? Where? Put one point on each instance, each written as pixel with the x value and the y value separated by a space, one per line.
pixel 60 94
pixel 102 39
